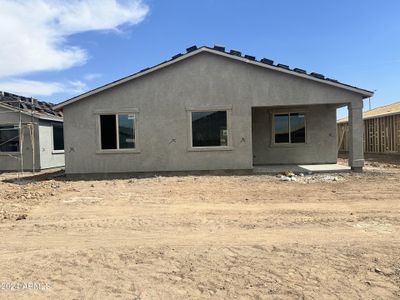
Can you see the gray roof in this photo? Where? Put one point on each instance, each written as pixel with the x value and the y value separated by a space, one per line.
pixel 30 106
pixel 233 54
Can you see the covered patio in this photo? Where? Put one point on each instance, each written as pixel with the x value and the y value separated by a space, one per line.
pixel 303 138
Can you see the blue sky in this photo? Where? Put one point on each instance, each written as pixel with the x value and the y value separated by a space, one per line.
pixel 356 42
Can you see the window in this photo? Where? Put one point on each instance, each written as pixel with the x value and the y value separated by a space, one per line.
pixel 117 131
pixel 9 138
pixel 58 137
pixel 209 128
pixel 126 131
pixel 290 128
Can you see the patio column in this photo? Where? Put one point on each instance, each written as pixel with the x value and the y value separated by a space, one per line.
pixel 356 129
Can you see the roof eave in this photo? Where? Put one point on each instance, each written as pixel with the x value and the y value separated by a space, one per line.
pixel 35 115
pixel 49 118
pixel 364 93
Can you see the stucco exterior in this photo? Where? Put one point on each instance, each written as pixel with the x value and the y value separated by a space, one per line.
pixel 320 146
pixel 43 157
pixel 163 99
pixel 49 158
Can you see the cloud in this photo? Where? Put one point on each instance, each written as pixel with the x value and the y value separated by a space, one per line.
pixel 35 33
pixel 76 16
pixel 39 88
pixel 75 87
pixel 92 76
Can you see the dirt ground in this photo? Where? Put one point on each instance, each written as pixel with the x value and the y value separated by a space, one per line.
pixel 333 236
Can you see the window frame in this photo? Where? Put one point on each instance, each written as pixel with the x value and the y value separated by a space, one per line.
pixel 228 109
pixel 129 111
pixel 289 144
pixel 54 151
pixel 16 126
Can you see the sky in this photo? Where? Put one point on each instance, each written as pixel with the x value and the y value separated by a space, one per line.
pixel 54 50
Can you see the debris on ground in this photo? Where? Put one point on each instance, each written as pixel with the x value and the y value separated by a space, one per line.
pixel 309 178
pixel 21 217
pixel 288 176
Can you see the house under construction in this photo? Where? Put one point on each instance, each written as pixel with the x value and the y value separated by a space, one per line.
pixel 381 130
pixel 31 134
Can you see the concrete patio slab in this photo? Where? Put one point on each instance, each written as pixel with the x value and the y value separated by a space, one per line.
pixel 320 168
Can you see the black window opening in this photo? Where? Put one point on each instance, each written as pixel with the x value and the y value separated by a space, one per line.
pixel 58 137
pixel 9 138
pixel 209 129
pixel 290 128
pixel 117 131
pixel 108 125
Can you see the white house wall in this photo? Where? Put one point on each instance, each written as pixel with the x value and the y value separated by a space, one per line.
pixel 48 157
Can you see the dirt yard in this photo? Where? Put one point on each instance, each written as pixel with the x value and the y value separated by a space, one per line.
pixel 202 237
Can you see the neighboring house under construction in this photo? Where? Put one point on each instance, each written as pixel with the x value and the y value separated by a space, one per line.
pixel 381 130
pixel 31 134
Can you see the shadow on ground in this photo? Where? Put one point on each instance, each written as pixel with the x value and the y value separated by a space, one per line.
pixel 59 175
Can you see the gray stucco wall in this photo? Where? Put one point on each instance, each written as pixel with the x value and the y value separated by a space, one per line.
pixel 43 135
pixel 48 157
pixel 12 161
pixel 320 146
pixel 162 99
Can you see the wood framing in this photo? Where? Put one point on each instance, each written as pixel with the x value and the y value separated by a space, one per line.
pixel 381 134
